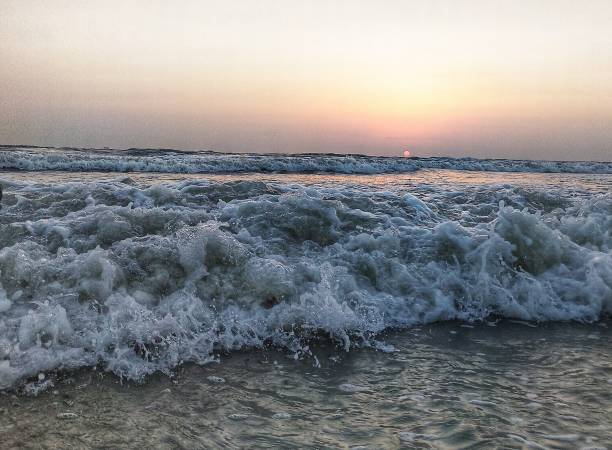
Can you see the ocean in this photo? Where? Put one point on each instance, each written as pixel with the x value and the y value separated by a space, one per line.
pixel 172 299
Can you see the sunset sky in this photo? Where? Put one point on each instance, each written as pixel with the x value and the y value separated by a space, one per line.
pixel 516 79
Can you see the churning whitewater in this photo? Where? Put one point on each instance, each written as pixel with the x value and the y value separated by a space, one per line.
pixel 143 273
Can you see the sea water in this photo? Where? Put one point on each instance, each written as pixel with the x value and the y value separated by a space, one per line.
pixel 449 385
pixel 195 260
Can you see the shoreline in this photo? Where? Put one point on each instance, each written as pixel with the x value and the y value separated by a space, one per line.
pixel 55 379
pixel 267 398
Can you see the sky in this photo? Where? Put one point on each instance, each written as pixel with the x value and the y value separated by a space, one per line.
pixel 507 79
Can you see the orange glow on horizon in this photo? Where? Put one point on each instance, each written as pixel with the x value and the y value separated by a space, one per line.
pixel 481 78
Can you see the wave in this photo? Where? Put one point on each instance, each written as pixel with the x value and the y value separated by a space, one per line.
pixel 172 161
pixel 142 279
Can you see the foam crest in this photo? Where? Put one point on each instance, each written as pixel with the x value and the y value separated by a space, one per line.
pixel 142 279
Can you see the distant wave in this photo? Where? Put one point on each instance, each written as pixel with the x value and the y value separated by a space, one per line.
pixel 173 161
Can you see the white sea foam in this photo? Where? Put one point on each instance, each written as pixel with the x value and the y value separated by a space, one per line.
pixel 142 279
pixel 172 161
pixel 352 388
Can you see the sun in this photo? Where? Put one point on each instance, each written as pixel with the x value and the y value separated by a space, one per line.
pixel 406 153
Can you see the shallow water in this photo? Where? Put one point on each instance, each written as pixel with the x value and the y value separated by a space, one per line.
pixel 448 386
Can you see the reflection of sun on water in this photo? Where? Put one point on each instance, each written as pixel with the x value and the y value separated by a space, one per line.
pixel 406 153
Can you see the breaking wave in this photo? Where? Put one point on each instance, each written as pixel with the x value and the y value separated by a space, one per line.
pixel 172 161
pixel 141 279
